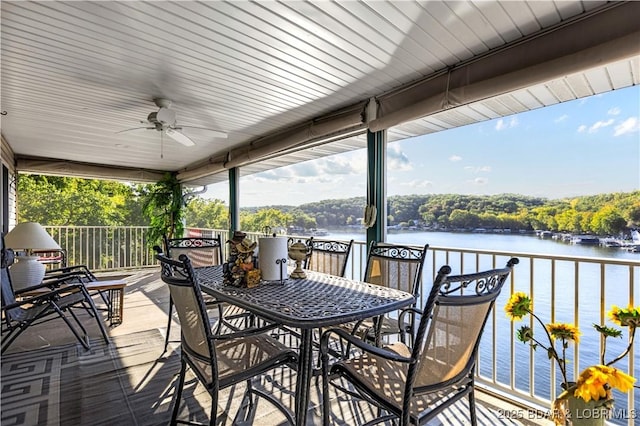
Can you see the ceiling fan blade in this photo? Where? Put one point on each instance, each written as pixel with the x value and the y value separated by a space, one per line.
pixel 179 137
pixel 212 132
pixel 135 128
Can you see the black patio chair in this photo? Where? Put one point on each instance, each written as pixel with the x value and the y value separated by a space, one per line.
pixel 77 274
pixel 414 384
pixel 328 256
pixel 218 360
pixel 43 302
pixel 202 252
pixel 394 266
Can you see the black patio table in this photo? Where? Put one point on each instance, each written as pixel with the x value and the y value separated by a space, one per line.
pixel 320 300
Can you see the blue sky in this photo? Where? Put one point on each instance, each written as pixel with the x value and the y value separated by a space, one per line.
pixel 584 147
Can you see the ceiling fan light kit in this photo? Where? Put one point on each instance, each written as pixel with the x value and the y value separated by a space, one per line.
pixel 164 116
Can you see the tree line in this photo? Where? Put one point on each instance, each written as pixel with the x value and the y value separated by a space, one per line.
pixel 72 201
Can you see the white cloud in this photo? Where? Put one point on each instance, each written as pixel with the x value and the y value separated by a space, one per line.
pixel 561 118
pixel 398 160
pixel 418 184
pixel 478 169
pixel 582 128
pixel 600 124
pixel 614 111
pixel 455 158
pixel 629 125
pixel 502 124
pixel 480 181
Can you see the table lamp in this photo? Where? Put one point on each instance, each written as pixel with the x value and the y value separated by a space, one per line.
pixel 28 236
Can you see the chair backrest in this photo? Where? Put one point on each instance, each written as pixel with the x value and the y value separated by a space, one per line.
pixel 6 259
pixel 395 266
pixel 52 258
pixel 202 251
pixel 187 298
pixel 328 256
pixel 451 325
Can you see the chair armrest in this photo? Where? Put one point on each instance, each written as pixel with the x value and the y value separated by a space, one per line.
pixel 50 285
pixel 412 311
pixel 71 269
pixel 376 350
pixel 49 295
pixel 80 276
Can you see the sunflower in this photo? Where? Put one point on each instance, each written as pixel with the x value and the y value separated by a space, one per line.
pixel 629 317
pixel 566 332
pixel 595 382
pixel 519 305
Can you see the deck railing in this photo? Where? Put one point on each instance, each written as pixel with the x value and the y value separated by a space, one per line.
pixel 577 290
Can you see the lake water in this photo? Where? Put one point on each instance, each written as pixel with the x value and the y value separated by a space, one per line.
pixel 502 242
pixel 588 302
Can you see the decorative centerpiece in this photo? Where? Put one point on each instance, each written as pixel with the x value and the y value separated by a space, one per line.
pixel 299 251
pixel 240 270
pixel 588 400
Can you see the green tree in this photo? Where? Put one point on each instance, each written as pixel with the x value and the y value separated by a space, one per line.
pixel 463 219
pixel 272 218
pixel 607 221
pixel 202 213
pixel 65 201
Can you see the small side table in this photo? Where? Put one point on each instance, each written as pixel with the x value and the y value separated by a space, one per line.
pixel 114 290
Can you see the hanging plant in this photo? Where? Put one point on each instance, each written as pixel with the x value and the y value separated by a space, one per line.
pixel 164 206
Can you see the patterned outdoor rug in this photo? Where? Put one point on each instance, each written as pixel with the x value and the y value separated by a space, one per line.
pixel 123 383
pixel 126 383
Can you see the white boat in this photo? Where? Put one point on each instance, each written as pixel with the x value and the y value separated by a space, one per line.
pixel 634 245
pixel 585 240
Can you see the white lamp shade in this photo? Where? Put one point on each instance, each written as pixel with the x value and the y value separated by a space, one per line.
pixel 30 236
pixel 28 271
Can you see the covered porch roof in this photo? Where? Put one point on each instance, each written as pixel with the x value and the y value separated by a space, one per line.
pixel 279 78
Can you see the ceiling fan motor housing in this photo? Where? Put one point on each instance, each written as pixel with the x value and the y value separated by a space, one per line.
pixel 164 116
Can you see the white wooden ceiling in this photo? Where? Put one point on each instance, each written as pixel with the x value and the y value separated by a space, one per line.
pixel 76 73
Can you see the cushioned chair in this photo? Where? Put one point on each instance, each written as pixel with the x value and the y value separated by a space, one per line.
pixel 48 301
pixel 414 384
pixel 218 360
pixel 394 266
pixel 328 256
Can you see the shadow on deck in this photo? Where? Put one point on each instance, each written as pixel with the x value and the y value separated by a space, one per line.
pixel 48 378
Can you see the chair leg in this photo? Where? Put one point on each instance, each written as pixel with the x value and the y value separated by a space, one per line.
pixel 179 385
pixel 84 340
pixel 98 318
pixel 13 334
pixel 325 389
pixel 220 318
pixel 472 408
pixel 166 338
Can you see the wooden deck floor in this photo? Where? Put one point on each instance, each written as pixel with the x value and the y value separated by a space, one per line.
pixel 47 378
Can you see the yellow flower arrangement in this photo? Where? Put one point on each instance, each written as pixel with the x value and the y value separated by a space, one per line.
pixel 595 382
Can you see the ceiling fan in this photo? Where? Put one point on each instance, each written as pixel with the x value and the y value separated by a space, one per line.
pixel 164 121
